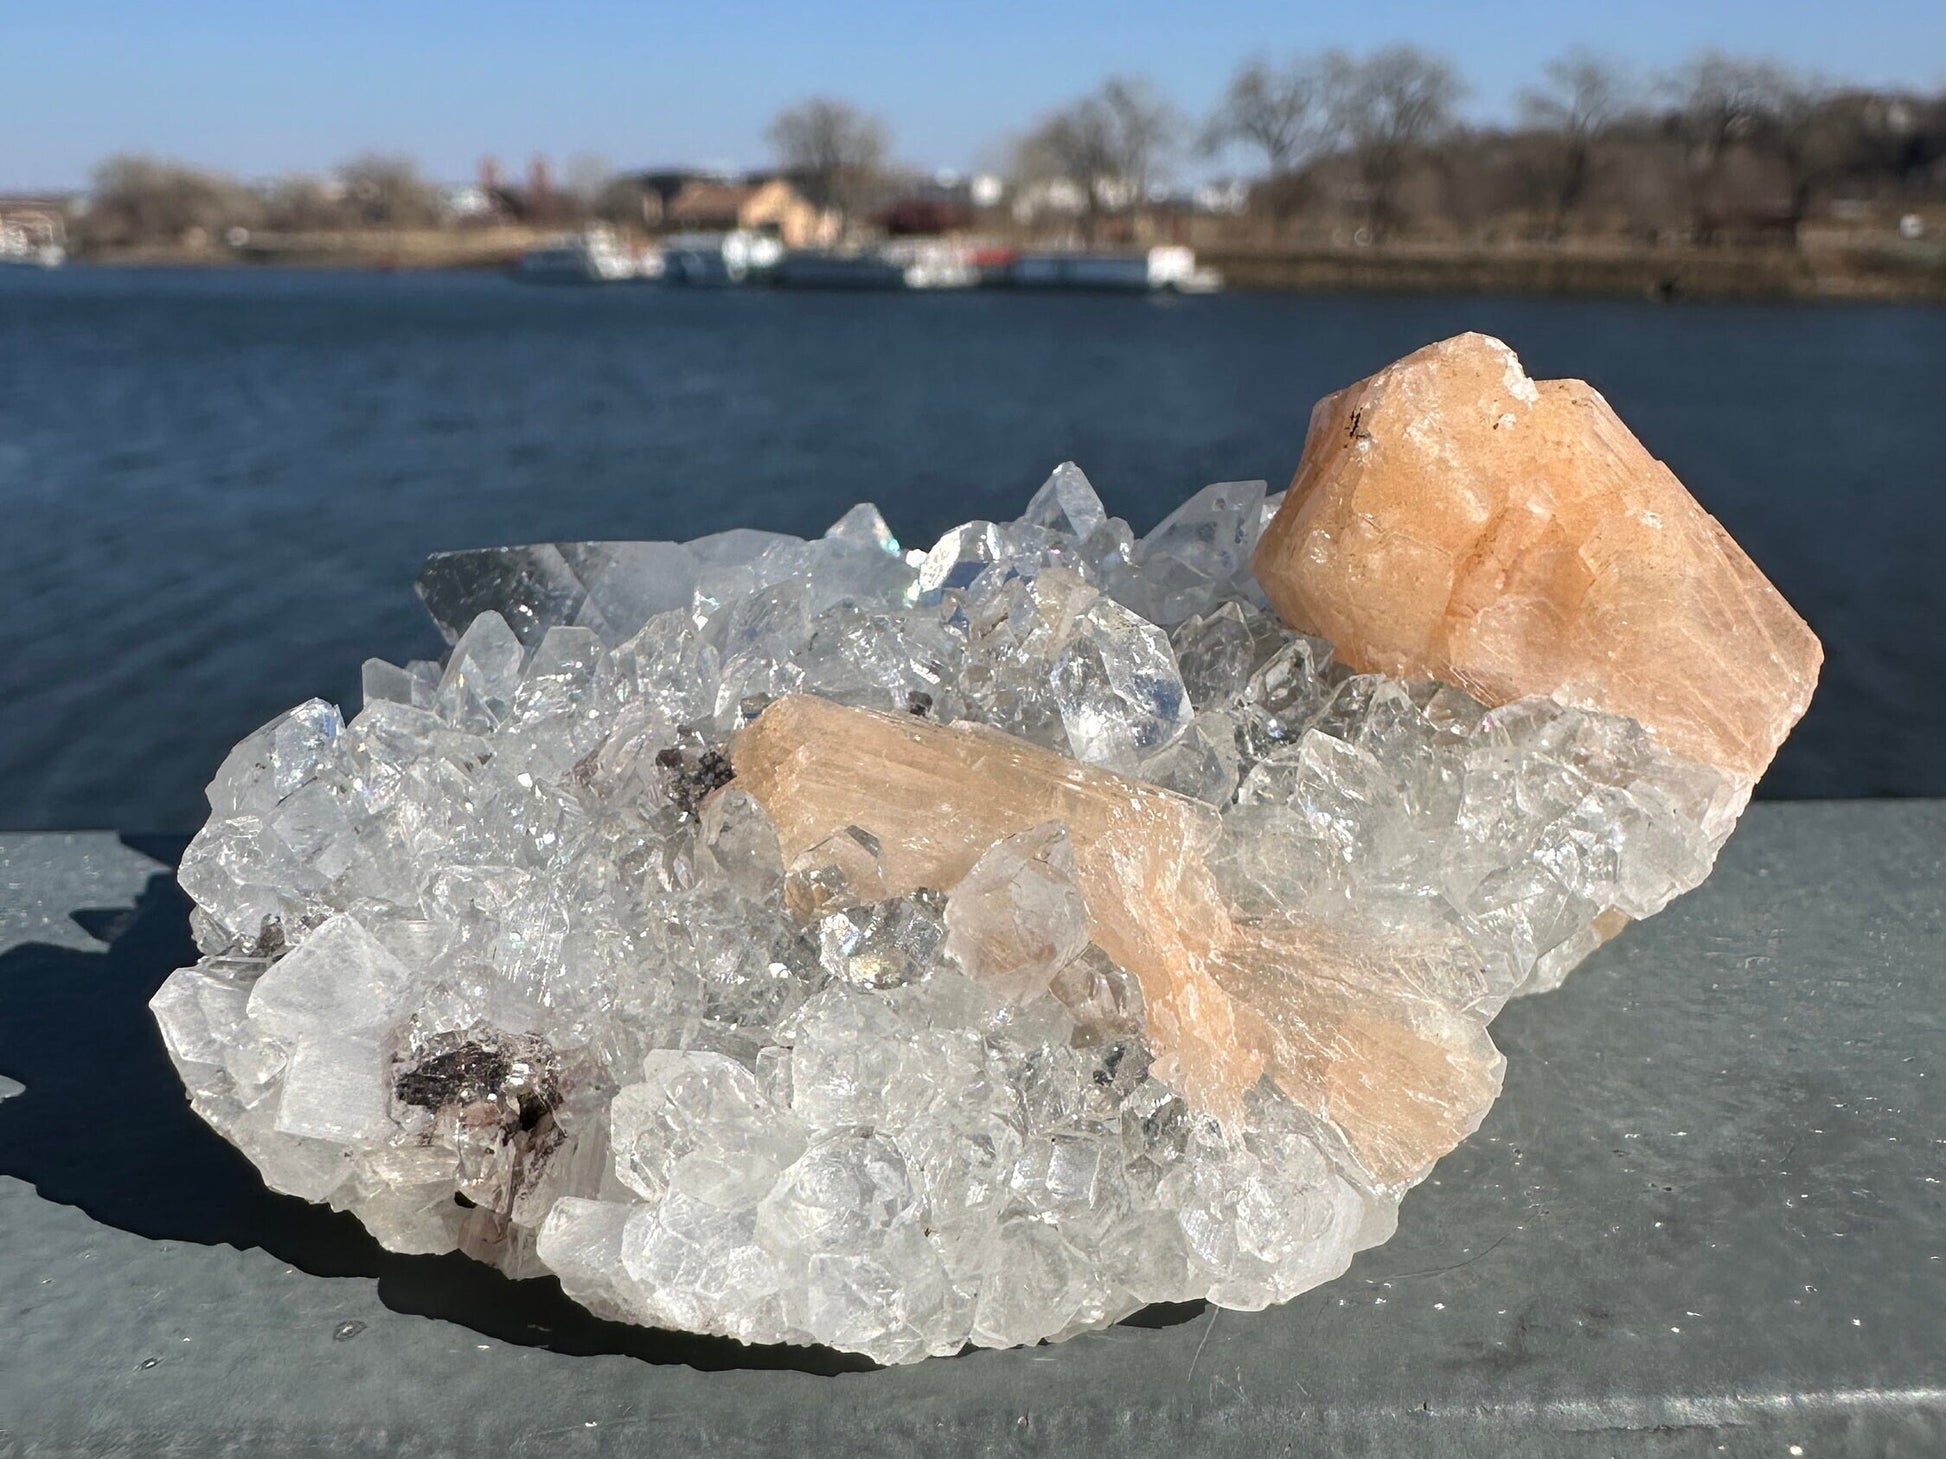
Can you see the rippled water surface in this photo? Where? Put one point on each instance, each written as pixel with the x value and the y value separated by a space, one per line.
pixel 216 488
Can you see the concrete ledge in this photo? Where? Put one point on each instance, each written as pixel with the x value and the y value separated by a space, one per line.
pixel 1706 1217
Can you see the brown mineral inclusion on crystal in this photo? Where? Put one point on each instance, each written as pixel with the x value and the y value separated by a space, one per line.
pixel 1452 518
pixel 1400 1077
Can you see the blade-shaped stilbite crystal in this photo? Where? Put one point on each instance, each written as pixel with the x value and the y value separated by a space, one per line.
pixel 1401 1078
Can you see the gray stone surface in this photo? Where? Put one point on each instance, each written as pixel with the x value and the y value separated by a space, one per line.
pixel 47 877
pixel 1706 1217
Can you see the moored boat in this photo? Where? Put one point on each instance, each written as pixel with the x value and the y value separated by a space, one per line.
pixel 32 239
pixel 929 263
pixel 1169 268
pixel 809 268
pixel 901 264
pixel 592 256
pixel 713 260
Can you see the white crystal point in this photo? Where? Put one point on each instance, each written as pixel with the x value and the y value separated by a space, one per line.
pixel 881 944
pixel 1058 663
pixel 842 870
pixel 699 1126
pixel 531 587
pixel 1067 503
pixel 382 681
pixel 958 557
pixel 610 588
pixel 1120 694
pixel 1199 555
pixel 340 981
pixel 1017 918
pixel 521 961
pixel 863 526
pixel 482 676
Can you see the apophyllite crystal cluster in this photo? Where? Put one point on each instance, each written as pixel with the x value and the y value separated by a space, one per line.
pixel 819 941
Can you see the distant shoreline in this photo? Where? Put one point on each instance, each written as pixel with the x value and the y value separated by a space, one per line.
pixel 1914 274
pixel 1910 275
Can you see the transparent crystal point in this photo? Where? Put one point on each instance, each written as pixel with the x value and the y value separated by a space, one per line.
pixel 1067 503
pixel 1197 556
pixel 864 526
pixel 1017 918
pixel 482 677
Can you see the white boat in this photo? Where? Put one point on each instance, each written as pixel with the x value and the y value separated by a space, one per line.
pixel 32 239
pixel 592 256
pixel 919 263
pixel 713 260
pixel 1171 268
pixel 928 263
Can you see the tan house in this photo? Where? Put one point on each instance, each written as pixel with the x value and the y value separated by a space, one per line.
pixel 696 203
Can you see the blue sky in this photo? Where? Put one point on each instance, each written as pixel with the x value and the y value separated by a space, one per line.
pixel 266 86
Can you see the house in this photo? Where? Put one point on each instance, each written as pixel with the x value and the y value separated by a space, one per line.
pixel 944 203
pixel 468 202
pixel 714 203
pixel 52 208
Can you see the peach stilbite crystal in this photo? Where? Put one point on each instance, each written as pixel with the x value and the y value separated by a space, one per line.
pixel 1402 1078
pixel 1451 517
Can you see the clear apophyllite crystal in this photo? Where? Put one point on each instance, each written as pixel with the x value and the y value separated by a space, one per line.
pixel 516 961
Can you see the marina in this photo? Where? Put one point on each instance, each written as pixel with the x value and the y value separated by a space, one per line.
pixel 739 257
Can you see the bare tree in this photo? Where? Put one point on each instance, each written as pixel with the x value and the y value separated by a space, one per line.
pixel 1810 142
pixel 1721 100
pixel 1582 97
pixel 1390 106
pixel 1286 112
pixel 297 204
pixel 620 201
pixel 1069 151
pixel 1728 101
pixel 584 181
pixel 1110 146
pixel 139 199
pixel 386 191
pixel 836 152
pixel 1276 110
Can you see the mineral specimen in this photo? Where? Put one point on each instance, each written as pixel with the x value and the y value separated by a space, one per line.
pixel 814 941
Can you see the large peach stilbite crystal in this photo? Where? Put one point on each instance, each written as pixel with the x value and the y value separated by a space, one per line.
pixel 1402 1078
pixel 1453 518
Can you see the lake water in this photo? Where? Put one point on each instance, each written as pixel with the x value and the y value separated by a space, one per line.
pixel 216 488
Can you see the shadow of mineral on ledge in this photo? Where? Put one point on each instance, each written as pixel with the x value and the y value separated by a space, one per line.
pixel 103 1125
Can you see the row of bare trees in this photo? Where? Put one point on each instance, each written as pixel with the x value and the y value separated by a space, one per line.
pixel 137 199
pixel 1379 111
pixel 1375 141
pixel 1723 141
pixel 1728 137
pixel 838 155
